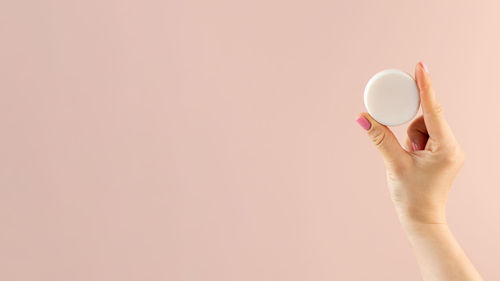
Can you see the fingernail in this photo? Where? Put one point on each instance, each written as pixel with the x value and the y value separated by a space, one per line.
pixel 364 123
pixel 415 146
pixel 424 66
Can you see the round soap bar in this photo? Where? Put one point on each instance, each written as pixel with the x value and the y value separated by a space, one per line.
pixel 391 97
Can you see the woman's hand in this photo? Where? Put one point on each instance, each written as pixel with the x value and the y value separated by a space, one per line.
pixel 420 177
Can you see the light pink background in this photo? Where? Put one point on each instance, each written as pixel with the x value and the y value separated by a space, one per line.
pixel 215 140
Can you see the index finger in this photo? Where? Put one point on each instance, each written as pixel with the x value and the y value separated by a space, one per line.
pixel 436 124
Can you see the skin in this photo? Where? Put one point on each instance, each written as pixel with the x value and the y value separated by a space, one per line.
pixel 419 178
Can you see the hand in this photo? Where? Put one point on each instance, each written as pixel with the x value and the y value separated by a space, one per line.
pixel 420 176
pixel 419 179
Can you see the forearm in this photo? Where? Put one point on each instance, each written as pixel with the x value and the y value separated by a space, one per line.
pixel 438 253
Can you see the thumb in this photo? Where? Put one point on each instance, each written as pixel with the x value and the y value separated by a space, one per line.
pixel 383 138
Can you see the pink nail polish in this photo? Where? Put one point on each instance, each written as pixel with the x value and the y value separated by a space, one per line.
pixel 415 146
pixel 424 66
pixel 364 123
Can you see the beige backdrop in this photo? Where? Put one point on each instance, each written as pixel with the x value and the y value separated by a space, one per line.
pixel 215 140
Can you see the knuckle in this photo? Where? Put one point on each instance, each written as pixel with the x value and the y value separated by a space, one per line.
pixel 437 109
pixel 454 156
pixel 378 137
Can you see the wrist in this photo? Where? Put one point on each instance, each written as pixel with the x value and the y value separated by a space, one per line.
pixel 410 216
pixel 422 230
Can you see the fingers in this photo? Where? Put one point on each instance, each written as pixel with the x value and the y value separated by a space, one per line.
pixel 435 122
pixel 383 138
pixel 417 134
